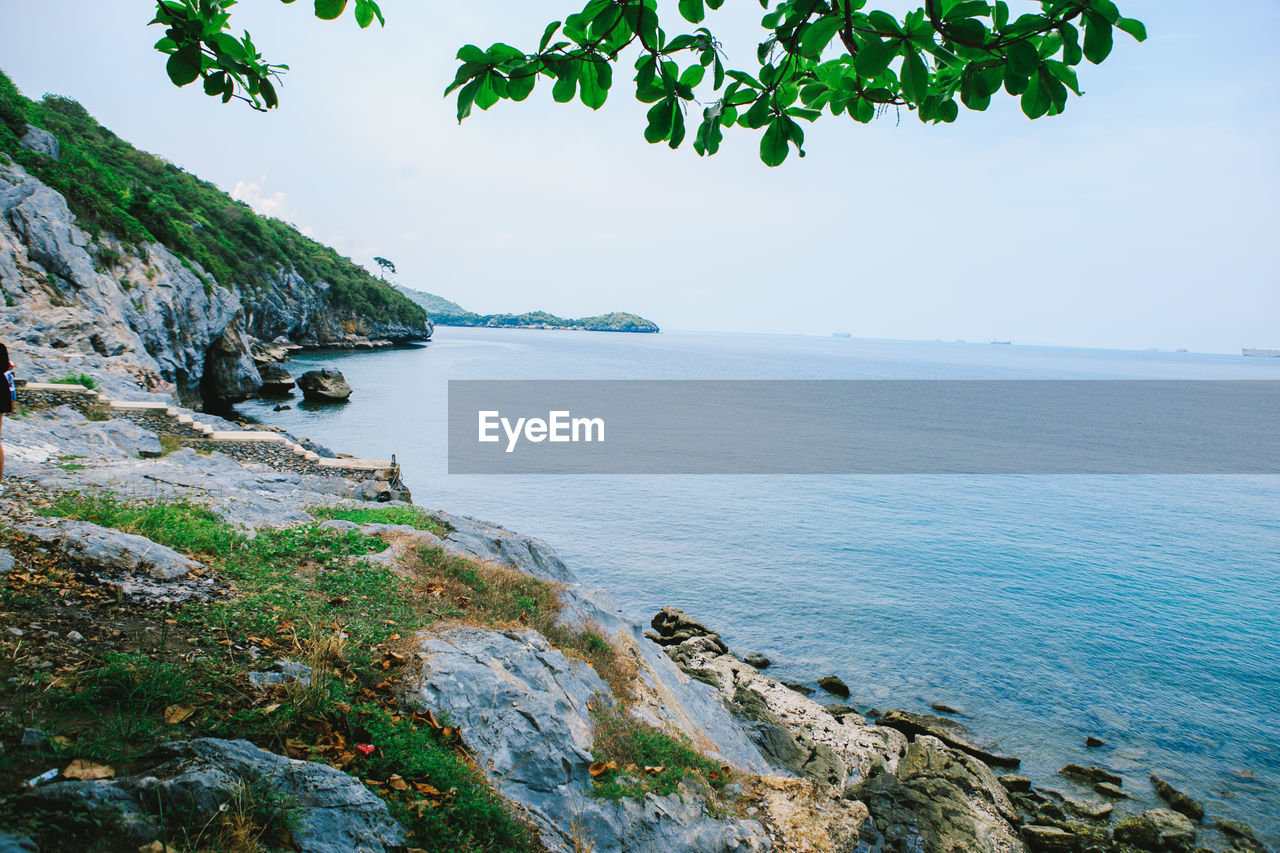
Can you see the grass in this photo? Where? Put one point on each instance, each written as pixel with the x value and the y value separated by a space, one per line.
pixel 298 592
pixel 407 515
pixel 303 593
pixel 82 379
pixel 637 759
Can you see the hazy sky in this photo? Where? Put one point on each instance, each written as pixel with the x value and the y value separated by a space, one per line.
pixel 1146 216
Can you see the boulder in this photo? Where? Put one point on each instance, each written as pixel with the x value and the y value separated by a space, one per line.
pixel 276 381
pixel 1093 742
pixel 524 709
pixel 757 660
pixel 1159 831
pixel 40 141
pixel 1015 784
pixel 136 566
pixel 949 732
pixel 940 799
pixel 834 685
pixel 1048 838
pixel 330 811
pixel 324 386
pixel 1177 800
pixel 1107 789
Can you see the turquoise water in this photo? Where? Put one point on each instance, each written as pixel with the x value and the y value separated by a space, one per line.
pixel 1142 610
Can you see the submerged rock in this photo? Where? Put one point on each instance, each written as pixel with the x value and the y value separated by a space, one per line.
pixel 1090 775
pixel 1177 800
pixel 757 660
pixel 324 386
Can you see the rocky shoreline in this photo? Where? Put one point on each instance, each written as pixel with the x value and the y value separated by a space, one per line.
pixel 806 776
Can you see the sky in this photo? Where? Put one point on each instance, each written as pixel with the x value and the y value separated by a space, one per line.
pixel 1145 216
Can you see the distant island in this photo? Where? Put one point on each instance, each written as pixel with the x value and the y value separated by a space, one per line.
pixel 447 313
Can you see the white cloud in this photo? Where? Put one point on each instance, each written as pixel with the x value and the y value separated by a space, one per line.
pixel 275 205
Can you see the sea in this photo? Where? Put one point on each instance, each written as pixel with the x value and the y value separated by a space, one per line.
pixel 1140 610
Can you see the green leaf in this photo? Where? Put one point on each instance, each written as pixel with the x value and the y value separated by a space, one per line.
pixel 594 79
pixel 471 53
pixel 692 11
pixel 885 23
pixel 1035 100
pixel 1097 37
pixel 547 35
pixel 183 67
pixel 364 15
pixel 677 128
pixel 520 82
pixel 659 127
pixel 818 35
pixel 915 77
pixel 774 145
pixel 214 84
pixel 329 9
pixel 1024 58
pixel 874 57
pixel 1134 28
pixel 466 98
pixel 566 84
pixel 487 95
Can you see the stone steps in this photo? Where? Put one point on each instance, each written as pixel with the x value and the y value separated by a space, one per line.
pixel 270 448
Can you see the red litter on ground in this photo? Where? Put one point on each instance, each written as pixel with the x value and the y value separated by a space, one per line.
pixel 365 748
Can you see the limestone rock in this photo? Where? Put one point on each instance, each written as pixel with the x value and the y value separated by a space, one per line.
pixel 522 706
pixel 112 551
pixel 941 799
pixel 333 812
pixel 324 386
pixel 949 732
pixel 40 141
pixel 1159 830
pixel 483 540
pixel 276 381
pixel 1177 800
pixel 1016 784
pixel 834 685
pixel 139 568
pixel 1048 838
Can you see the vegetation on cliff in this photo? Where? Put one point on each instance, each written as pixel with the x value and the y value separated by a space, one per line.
pixel 139 198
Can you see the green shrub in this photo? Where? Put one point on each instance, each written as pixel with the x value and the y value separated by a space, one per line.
pixel 83 379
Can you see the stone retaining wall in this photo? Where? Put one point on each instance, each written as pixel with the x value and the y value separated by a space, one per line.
pixel 267 448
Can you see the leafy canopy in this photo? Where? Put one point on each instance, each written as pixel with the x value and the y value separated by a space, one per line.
pixel 818 57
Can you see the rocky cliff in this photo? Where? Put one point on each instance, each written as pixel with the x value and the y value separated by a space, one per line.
pixel 167 283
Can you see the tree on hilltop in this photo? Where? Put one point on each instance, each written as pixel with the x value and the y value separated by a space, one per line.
pixel 818 58
pixel 384 266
